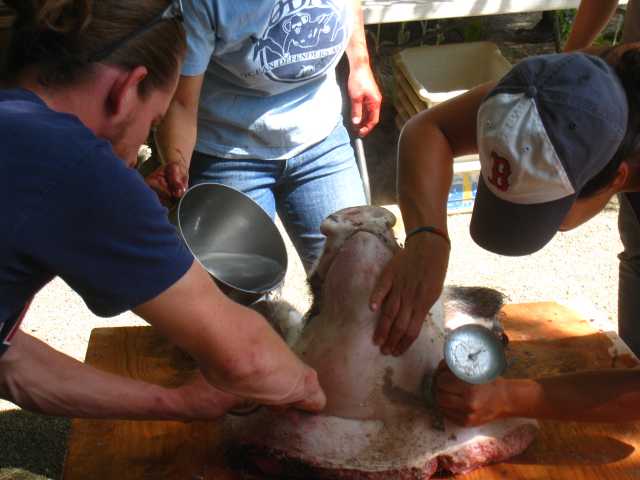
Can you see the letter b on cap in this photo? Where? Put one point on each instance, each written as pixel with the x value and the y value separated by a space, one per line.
pixel 500 172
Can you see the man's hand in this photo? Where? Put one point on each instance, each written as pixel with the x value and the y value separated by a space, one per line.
pixel 470 405
pixel 365 100
pixel 407 289
pixel 169 181
pixel 199 400
pixel 314 399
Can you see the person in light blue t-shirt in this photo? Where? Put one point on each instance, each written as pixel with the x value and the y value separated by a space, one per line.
pixel 260 104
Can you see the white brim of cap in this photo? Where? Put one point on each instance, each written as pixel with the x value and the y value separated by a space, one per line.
pixel 513 229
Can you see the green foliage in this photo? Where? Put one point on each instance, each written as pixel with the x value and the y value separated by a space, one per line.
pixel 565 20
pixel 17 474
pixel 474 31
pixel 603 40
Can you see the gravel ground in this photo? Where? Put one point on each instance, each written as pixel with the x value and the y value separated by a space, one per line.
pixel 578 269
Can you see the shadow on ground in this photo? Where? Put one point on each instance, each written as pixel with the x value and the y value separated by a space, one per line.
pixel 33 446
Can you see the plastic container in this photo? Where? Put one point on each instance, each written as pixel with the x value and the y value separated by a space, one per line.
pixel 402 101
pixel 403 114
pixel 438 73
pixel 402 85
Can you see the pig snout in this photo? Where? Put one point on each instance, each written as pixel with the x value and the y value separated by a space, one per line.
pixel 344 224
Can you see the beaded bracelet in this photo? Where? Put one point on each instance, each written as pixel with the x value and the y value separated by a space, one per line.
pixel 434 230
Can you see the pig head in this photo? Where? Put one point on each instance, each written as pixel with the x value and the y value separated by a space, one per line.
pixel 363 384
pixel 376 424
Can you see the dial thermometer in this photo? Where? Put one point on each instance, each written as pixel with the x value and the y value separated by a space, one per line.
pixel 474 354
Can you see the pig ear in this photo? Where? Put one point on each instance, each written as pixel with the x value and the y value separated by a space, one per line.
pixel 479 305
pixel 267 310
pixel 479 302
pixel 285 319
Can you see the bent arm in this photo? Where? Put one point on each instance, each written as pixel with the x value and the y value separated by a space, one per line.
pixel 177 134
pixel 363 90
pixel 610 395
pixel 428 144
pixel 40 379
pixel 592 17
pixel 235 347
pixel 412 281
pixel 590 396
pixel 357 47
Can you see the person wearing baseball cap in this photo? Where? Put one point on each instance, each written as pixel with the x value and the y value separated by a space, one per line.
pixel 557 137
pixel 590 20
pixel 544 132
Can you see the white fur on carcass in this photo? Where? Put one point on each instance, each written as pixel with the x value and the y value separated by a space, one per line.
pixel 375 425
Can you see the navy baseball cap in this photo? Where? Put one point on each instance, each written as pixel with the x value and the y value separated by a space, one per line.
pixel 548 127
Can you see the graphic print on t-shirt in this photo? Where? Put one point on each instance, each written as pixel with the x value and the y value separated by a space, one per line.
pixel 302 40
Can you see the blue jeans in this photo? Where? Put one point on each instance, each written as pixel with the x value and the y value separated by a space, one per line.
pixel 629 275
pixel 304 190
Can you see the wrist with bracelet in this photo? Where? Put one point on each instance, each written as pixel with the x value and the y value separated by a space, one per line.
pixel 431 230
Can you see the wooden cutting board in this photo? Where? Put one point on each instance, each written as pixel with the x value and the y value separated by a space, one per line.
pixel 546 338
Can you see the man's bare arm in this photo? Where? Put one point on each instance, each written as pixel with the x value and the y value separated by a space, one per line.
pixel 589 396
pixel 176 140
pixel 363 90
pixel 235 347
pixel 592 17
pixel 40 379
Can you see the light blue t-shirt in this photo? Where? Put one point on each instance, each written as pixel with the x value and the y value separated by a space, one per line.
pixel 269 89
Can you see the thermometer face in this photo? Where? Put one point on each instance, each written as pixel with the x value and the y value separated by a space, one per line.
pixel 474 354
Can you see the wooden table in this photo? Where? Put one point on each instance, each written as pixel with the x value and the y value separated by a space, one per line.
pixel 386 11
pixel 545 339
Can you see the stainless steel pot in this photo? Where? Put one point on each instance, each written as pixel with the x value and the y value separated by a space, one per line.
pixel 234 239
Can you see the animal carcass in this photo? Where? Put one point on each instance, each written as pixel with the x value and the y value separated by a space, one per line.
pixel 376 424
